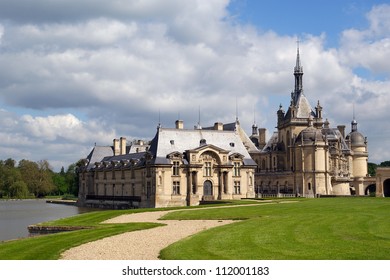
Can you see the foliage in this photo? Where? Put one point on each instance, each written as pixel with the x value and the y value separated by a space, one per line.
pixel 19 190
pixel 371 168
pixel 35 178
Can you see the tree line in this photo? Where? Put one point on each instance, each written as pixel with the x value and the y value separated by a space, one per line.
pixel 372 167
pixel 27 179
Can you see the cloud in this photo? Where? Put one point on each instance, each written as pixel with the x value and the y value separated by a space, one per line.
pixel 125 66
pixel 369 48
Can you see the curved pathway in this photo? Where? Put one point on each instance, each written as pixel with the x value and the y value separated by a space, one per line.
pixel 145 244
pixel 142 244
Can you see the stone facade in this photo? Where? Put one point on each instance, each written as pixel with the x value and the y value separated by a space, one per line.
pixel 305 156
pixel 178 167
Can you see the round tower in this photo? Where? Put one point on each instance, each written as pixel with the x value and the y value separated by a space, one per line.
pixel 358 145
pixel 311 158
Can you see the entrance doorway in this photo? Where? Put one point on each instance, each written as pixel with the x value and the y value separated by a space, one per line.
pixel 207 188
pixel 386 188
pixel 370 190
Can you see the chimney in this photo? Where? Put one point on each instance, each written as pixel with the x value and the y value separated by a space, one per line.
pixel 262 142
pixel 123 146
pixel 116 147
pixel 218 126
pixel 179 124
pixel 341 128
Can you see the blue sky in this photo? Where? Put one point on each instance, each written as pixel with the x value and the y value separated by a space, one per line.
pixel 299 17
pixel 77 73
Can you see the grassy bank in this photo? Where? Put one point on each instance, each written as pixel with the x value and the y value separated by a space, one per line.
pixel 326 228
pixel 49 247
pixel 329 228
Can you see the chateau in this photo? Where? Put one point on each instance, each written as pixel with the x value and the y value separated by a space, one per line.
pixel 179 166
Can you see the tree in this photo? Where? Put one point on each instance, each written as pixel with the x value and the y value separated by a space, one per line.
pixel 19 190
pixel 371 169
pixel 61 186
pixel 385 163
pixel 72 178
pixel 37 176
pixel 9 176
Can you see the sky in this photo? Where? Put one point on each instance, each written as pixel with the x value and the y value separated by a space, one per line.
pixel 78 73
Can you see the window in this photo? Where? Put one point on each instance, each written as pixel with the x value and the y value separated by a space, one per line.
pixel 237 187
pixel 236 169
pixel 176 188
pixel 207 169
pixel 176 169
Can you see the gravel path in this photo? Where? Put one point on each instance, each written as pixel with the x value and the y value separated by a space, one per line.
pixel 139 245
pixel 145 244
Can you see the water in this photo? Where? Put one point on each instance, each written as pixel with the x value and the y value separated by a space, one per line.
pixel 17 215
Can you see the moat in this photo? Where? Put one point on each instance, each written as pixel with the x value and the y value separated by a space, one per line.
pixel 17 215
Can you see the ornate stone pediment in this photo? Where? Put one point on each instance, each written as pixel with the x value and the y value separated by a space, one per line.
pixel 236 156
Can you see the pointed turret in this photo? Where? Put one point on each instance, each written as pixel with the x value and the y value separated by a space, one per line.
pixel 298 73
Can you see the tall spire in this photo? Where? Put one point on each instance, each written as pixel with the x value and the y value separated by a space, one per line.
pixel 354 122
pixel 298 73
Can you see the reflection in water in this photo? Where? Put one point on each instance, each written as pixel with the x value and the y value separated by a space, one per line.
pixel 17 215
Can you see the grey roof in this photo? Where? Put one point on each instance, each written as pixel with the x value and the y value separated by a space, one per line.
pixel 304 109
pixel 169 140
pixel 98 153
pixel 272 142
pixel 333 134
pixel 235 126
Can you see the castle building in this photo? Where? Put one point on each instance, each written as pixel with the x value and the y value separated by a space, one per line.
pixel 182 167
pixel 179 167
pixel 305 156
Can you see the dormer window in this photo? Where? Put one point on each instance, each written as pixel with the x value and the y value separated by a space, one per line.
pixel 203 142
pixel 176 168
pixel 236 169
pixel 207 169
pixel 231 144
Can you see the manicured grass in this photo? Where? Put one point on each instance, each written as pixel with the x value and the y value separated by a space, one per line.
pixel 320 229
pixel 49 247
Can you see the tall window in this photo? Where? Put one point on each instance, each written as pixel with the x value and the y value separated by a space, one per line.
pixel 237 187
pixel 207 169
pixel 176 188
pixel 236 169
pixel 176 169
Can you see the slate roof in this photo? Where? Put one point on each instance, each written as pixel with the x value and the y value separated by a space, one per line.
pixel 97 154
pixel 168 140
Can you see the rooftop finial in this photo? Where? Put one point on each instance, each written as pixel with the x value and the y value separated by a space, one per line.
pixel 298 67
pixel 236 110
pixel 198 126
pixel 159 119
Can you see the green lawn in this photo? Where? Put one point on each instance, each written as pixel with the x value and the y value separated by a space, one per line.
pixel 326 228
pixel 320 229
pixel 49 247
